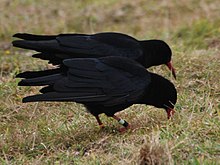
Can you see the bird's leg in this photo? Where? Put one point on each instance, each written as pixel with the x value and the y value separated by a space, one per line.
pixel 122 122
pixel 101 125
pixel 170 112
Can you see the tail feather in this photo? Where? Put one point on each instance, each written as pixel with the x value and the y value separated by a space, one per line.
pixel 43 56
pixel 41 46
pixel 32 37
pixel 41 81
pixel 53 58
pixel 47 89
pixel 54 96
pixel 35 74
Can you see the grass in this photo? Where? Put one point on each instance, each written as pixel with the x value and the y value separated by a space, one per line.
pixel 64 133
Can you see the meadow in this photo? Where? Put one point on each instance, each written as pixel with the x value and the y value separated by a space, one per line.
pixel 64 133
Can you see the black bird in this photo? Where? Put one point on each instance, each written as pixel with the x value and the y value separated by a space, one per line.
pixel 105 85
pixel 56 48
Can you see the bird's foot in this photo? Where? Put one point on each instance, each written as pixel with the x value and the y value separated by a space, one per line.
pixel 102 126
pixel 124 129
pixel 170 113
pixel 122 122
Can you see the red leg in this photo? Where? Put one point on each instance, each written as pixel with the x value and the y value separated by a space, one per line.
pixel 101 125
pixel 122 122
pixel 170 113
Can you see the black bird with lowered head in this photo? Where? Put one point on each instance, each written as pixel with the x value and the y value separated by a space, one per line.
pixel 56 48
pixel 105 85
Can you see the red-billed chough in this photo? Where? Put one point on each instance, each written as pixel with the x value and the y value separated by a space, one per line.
pixel 105 85
pixel 56 48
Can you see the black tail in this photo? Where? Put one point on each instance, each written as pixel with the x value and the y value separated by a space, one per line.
pixel 55 96
pixel 32 37
pixel 41 46
pixel 51 96
pixel 41 81
pixel 47 89
pixel 35 74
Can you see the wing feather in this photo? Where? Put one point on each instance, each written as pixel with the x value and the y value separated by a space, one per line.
pixel 114 85
pixel 55 48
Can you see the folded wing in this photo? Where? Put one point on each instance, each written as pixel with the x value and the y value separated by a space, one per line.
pixel 107 81
pixel 66 46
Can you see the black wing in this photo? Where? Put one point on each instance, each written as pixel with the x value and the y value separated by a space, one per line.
pixel 107 81
pixel 65 46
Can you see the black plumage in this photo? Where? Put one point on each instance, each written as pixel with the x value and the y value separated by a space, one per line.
pixel 56 48
pixel 104 85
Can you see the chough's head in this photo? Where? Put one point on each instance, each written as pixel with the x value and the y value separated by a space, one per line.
pixel 157 52
pixel 161 93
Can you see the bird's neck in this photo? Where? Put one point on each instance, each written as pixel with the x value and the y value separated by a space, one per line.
pixel 160 93
pixel 150 96
pixel 148 53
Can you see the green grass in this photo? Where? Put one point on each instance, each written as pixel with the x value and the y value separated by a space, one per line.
pixel 64 133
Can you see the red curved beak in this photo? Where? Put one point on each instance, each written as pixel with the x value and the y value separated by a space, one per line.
pixel 171 68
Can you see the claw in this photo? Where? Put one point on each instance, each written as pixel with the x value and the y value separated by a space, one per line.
pixel 102 126
pixel 124 129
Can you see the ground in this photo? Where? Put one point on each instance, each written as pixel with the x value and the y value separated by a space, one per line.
pixel 64 133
